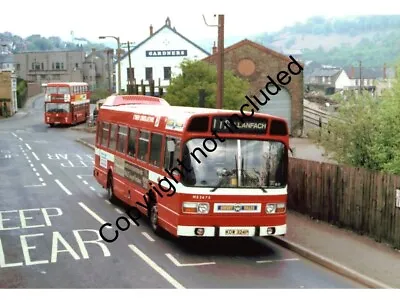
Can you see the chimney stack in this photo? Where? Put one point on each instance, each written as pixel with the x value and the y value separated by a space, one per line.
pixel 384 71
pixel 214 49
pixel 151 30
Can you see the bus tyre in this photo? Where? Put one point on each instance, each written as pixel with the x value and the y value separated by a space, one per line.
pixel 110 189
pixel 153 216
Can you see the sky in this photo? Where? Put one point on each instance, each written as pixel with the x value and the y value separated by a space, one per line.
pixel 130 19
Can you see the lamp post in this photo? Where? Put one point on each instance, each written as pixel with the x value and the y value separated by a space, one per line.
pixel 119 58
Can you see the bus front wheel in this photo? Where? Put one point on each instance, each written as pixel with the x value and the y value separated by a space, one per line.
pixel 153 216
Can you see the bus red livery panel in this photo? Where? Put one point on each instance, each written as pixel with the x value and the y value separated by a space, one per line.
pixel 66 103
pixel 204 172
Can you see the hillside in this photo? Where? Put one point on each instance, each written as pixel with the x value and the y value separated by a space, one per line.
pixel 36 42
pixel 374 40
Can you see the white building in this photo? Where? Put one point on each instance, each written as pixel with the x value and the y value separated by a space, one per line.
pixel 158 57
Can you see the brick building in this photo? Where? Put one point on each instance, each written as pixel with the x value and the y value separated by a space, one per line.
pixel 255 62
pixel 8 93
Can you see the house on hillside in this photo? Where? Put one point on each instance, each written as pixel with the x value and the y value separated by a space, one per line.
pixel 158 57
pixel 329 80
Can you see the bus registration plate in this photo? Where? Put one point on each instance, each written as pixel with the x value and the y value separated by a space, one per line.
pixel 235 232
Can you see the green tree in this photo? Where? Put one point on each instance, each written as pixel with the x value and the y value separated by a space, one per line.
pixel 366 132
pixel 196 75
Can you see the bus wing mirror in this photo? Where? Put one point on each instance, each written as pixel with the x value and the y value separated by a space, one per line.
pixel 170 146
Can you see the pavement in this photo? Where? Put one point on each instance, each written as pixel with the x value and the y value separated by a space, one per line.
pixel 51 209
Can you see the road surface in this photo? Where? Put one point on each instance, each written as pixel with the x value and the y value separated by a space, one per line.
pixel 51 209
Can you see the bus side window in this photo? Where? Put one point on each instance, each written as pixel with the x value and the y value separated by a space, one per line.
pixel 155 149
pixel 170 158
pixel 104 135
pixel 113 136
pixel 143 145
pixel 132 142
pixel 122 137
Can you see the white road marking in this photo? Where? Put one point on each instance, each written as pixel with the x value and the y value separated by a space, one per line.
pixel 14 134
pixel 37 174
pixel 132 223
pixel 20 139
pixel 92 188
pixel 29 161
pixel 34 170
pixel 40 179
pixel 278 260
pixel 118 211
pixel 85 182
pixel 44 184
pixel 80 157
pixel 100 195
pixel 92 213
pixel 178 264
pixel 46 169
pixel 83 164
pixel 79 176
pixel 147 236
pixel 27 146
pixel 63 187
pixel 108 202
pixel 34 154
pixel 32 165
pixel 157 268
pixel 34 185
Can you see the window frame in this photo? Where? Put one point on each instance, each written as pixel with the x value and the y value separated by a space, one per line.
pixel 107 128
pixel 134 156
pixel 161 151
pixel 147 155
pixel 125 134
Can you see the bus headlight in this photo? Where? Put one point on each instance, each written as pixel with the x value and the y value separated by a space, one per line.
pixel 195 208
pixel 270 208
pixel 275 208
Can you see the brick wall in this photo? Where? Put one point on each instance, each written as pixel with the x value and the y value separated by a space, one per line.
pixel 267 62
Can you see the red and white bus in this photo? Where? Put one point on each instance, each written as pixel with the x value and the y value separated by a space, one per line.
pixel 66 103
pixel 196 171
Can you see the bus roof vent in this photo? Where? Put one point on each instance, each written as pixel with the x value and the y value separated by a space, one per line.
pixel 117 100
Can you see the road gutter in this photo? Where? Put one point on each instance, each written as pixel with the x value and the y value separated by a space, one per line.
pixel 89 145
pixel 330 264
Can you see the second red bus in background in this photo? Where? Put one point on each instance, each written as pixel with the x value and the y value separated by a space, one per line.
pixel 66 103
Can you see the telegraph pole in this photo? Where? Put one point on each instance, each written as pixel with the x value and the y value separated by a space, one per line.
pixel 220 62
pixel 220 59
pixel 130 69
pixel 360 77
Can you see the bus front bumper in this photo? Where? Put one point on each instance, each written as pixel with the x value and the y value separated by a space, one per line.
pixel 236 231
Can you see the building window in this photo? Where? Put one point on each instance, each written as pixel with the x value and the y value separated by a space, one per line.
pixel 52 66
pixel 167 73
pixel 42 66
pixel 18 67
pixel 128 74
pixel 62 66
pixel 76 65
pixel 57 66
pixel 149 73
